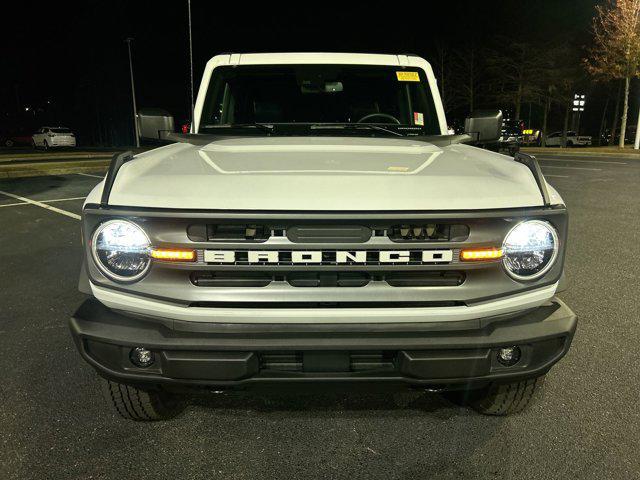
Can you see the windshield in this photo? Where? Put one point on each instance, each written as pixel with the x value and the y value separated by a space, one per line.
pixel 332 95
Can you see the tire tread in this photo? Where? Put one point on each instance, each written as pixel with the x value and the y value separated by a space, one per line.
pixel 507 398
pixel 135 404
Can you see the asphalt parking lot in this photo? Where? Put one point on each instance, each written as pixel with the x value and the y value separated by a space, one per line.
pixel 53 423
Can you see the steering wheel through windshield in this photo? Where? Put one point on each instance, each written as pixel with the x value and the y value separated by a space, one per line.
pixel 386 116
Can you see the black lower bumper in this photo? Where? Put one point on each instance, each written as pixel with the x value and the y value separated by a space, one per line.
pixel 230 355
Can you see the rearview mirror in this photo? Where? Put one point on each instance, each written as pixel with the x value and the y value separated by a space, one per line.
pixel 484 126
pixel 154 123
pixel 309 86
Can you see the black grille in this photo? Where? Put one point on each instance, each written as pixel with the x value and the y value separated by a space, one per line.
pixel 229 233
pixel 328 279
pixel 392 304
pixel 328 234
pixel 298 361
pixel 429 232
pixel 337 233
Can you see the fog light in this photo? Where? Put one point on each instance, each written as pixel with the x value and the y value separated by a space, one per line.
pixel 509 356
pixel 141 357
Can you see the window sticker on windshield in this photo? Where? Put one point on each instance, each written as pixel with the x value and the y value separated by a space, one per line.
pixel 418 118
pixel 408 76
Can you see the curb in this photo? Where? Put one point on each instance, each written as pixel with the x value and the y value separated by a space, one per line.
pixel 53 158
pixel 60 168
pixel 578 153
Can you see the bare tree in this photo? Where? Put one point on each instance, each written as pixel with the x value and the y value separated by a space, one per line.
pixel 442 72
pixel 545 91
pixel 464 73
pixel 568 77
pixel 615 53
pixel 616 112
pixel 515 70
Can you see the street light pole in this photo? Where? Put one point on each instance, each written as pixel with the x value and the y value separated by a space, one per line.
pixel 133 95
pixel 190 60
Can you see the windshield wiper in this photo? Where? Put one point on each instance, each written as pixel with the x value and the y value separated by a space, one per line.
pixel 269 128
pixel 355 126
pixel 261 126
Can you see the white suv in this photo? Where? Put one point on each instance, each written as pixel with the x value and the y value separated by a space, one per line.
pixel 48 137
pixel 573 140
pixel 319 225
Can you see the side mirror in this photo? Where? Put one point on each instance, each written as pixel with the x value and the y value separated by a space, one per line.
pixel 154 123
pixel 484 126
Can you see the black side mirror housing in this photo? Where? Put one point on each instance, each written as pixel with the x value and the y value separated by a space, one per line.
pixel 484 126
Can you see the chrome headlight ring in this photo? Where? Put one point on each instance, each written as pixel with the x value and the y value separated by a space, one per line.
pixel 530 246
pixel 121 250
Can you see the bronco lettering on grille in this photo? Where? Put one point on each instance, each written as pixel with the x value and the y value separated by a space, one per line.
pixel 328 257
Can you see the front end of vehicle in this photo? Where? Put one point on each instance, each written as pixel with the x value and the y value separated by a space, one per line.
pixel 320 227
pixel 222 299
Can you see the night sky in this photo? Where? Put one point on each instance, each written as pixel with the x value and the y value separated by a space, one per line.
pixel 73 55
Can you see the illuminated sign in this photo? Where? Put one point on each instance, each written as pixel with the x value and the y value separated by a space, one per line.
pixel 578 102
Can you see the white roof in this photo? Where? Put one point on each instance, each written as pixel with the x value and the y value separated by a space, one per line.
pixel 317 58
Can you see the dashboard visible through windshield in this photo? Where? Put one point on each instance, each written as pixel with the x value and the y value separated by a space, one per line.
pixel 395 99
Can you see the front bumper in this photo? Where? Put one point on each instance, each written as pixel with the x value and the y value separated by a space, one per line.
pixel 221 355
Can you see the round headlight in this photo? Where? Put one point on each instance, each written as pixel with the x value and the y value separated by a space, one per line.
pixel 121 250
pixel 530 249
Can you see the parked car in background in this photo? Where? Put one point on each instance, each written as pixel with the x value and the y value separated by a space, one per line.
pixel 573 140
pixel 14 137
pixel 531 137
pixel 510 140
pixel 49 137
pixel 629 135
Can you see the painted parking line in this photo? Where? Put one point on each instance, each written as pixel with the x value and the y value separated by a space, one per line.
pixel 556 176
pixel 42 201
pixel 580 161
pixel 572 168
pixel 89 175
pixel 41 205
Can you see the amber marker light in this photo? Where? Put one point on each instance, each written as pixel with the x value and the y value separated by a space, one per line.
pixel 173 255
pixel 478 254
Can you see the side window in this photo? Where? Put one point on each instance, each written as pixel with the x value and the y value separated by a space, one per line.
pixel 214 111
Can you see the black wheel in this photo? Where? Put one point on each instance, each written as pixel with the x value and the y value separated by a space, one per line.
pixel 140 405
pixel 569 143
pixel 499 398
pixel 45 145
pixel 33 145
pixel 8 143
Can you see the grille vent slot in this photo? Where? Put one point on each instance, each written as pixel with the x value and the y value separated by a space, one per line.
pixel 328 279
pixel 430 232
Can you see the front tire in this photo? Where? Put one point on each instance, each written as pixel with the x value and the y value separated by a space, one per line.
pixel 500 399
pixel 140 405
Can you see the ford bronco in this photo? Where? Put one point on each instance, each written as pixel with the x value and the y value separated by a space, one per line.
pixel 319 226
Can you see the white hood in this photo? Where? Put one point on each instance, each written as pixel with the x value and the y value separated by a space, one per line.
pixel 322 174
